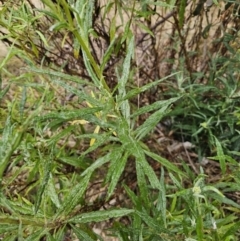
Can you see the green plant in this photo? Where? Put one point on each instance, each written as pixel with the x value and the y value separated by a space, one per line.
pixel 56 148
pixel 205 112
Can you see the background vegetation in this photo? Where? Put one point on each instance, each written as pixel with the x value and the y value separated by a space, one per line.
pixel 119 120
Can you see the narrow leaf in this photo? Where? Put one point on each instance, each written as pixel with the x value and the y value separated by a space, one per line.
pixel 137 91
pixel 142 184
pixel 98 163
pixel 154 106
pixel 150 123
pixel 100 216
pixel 74 196
pixel 44 182
pixel 165 163
pixel 149 172
pixel 52 193
pixel 107 54
pixel 86 114
pixel 162 200
pixel 181 13
pixel 220 155
pixel 36 235
pixel 83 235
pixel 119 167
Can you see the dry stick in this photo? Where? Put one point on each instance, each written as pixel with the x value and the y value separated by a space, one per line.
pixel 189 158
pixel 190 161
pixel 183 41
pixel 169 15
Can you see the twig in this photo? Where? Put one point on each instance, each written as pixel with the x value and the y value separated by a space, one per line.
pixel 169 15
pixel 189 158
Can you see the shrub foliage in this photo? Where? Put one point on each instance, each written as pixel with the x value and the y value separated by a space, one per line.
pixel 122 118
